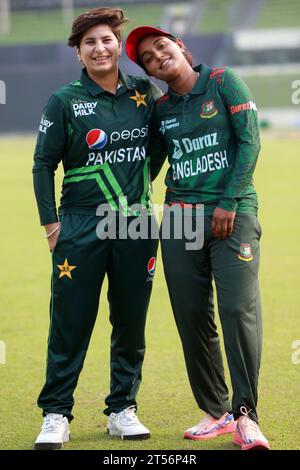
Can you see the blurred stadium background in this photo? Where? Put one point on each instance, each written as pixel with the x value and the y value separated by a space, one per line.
pixel 260 39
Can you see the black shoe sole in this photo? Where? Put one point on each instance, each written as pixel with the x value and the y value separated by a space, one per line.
pixel 138 437
pixel 48 446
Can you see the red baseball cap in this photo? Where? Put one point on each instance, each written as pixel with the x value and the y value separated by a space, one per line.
pixel 137 34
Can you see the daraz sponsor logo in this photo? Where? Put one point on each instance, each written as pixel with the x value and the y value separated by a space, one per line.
pixel 168 124
pixel 243 107
pixel 190 145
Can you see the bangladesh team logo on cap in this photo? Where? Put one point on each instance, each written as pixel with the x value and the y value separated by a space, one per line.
pixel 208 110
pixel 96 139
pixel 151 266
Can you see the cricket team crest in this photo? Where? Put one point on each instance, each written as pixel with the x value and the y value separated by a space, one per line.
pixel 139 99
pixel 245 252
pixel 208 110
pixel 65 269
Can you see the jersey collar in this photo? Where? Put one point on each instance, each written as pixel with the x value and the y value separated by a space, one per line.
pixel 95 89
pixel 200 85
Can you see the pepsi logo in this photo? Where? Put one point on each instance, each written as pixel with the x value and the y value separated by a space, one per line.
pixel 96 139
pixel 151 266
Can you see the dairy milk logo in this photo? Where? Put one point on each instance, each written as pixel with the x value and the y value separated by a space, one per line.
pixel 83 108
pixel 45 124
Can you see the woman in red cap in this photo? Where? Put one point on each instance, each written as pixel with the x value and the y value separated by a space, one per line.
pixel 207 125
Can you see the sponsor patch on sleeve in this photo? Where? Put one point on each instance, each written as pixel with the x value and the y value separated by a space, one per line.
pixel 45 124
pixel 249 105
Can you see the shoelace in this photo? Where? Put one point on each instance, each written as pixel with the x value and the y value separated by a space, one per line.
pixel 128 416
pixel 51 424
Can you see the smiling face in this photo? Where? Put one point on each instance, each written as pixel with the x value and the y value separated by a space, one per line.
pixel 99 50
pixel 162 57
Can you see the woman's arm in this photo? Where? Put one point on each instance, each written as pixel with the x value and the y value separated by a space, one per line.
pixel 243 116
pixel 157 146
pixel 48 153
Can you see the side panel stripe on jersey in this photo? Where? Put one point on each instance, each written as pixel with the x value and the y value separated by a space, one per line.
pixel 146 196
pixel 102 186
pixel 116 187
pixel 85 169
pixel 95 175
pixel 84 173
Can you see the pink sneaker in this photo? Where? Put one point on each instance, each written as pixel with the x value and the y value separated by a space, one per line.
pixel 210 427
pixel 248 435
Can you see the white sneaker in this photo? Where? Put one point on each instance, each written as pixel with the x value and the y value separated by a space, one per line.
pixel 54 432
pixel 126 425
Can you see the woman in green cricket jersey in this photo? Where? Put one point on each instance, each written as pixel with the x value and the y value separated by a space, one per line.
pixel 207 125
pixel 98 128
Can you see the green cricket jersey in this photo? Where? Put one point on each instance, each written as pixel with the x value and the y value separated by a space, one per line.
pixel 102 140
pixel 211 137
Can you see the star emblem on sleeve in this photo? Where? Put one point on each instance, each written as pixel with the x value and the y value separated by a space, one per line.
pixel 65 269
pixel 139 99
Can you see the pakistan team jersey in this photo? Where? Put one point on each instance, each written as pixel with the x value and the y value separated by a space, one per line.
pixel 102 140
pixel 211 137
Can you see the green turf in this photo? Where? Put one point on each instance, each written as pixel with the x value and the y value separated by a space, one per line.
pixel 272 91
pixel 220 15
pixel 217 16
pixel 42 27
pixel 279 14
pixel 166 403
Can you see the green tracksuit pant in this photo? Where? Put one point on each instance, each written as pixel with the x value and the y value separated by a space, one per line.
pixel 233 264
pixel 80 262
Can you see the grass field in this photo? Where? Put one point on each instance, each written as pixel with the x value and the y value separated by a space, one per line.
pixel 48 26
pixel 45 26
pixel 166 403
pixel 272 91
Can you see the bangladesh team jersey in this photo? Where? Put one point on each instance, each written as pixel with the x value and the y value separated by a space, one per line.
pixel 102 140
pixel 211 137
